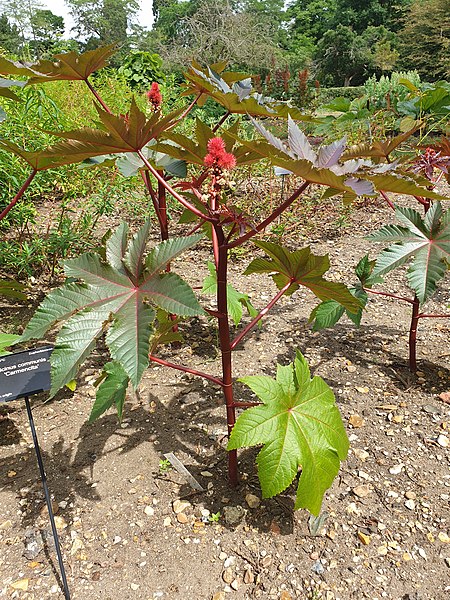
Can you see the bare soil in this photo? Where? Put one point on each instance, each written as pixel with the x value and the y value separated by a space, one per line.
pixel 386 519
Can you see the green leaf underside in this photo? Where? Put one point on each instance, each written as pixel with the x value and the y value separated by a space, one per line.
pixel 111 391
pixel 12 289
pixel 426 241
pixel 235 300
pixel 301 267
pixel 299 426
pixel 109 299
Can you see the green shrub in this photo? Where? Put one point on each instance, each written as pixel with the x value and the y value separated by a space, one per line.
pixel 379 90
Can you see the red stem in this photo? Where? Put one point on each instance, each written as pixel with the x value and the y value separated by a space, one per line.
pixel 388 200
pixel 162 202
pixel 424 316
pixel 389 295
pixel 174 193
pixel 187 111
pixel 97 96
pixel 166 363
pixel 225 347
pixel 413 335
pixel 276 213
pixel 221 121
pixel 19 194
pixel 258 317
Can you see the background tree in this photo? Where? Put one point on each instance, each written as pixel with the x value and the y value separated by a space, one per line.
pixel 215 32
pixel 10 38
pixel 341 57
pixel 425 39
pixel 360 15
pixel 101 22
pixel 47 30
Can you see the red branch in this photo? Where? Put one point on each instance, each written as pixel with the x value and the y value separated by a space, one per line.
pixel 276 213
pixel 258 317
pixel 166 363
pixel 389 295
pixel 19 194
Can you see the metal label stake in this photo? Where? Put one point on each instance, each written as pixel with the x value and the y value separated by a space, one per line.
pixel 23 374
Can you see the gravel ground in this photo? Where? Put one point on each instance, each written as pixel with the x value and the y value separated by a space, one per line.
pixel 131 527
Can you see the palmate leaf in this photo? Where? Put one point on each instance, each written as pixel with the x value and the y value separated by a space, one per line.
pixel 235 300
pixel 116 297
pixel 328 167
pixel 300 427
pixel 122 135
pixel 194 151
pixel 425 241
pixel 70 66
pixel 234 92
pixel 301 267
pixel 112 390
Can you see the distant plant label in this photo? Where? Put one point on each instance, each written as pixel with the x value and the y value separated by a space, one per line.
pixel 24 373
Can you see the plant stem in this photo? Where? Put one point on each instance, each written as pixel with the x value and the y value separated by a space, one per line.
pixel 19 194
pixel 162 202
pixel 413 335
pixel 173 192
pixel 258 317
pixel 221 121
pixel 166 363
pixel 225 347
pixel 388 200
pixel 388 295
pixel 276 213
pixel 98 97
pixel 424 316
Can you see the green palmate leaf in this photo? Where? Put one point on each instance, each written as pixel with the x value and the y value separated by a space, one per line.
pixel 300 427
pixel 329 312
pixel 70 66
pixel 424 241
pixel 111 391
pixel 301 268
pixel 116 297
pixel 235 300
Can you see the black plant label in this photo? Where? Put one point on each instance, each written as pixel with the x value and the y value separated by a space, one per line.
pixel 24 373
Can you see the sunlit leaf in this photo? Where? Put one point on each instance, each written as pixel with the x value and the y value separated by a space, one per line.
pixel 300 427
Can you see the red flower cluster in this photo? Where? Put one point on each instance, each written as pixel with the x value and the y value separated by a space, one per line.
pixel 154 96
pixel 218 156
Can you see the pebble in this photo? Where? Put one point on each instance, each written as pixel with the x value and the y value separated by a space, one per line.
pixel 410 504
pixel 396 469
pixel 364 539
pixel 443 441
pixel 410 495
pixel 179 506
pixel 356 421
pixel 248 576
pixel 134 586
pixel 219 596
pixel 444 538
pixel 228 575
pixel 182 518
pixel 362 491
pixel 149 511
pixel 361 454
pixel 233 514
pixel 252 501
